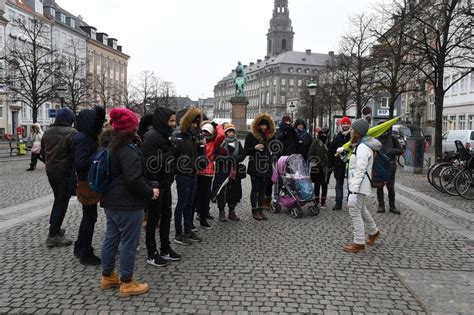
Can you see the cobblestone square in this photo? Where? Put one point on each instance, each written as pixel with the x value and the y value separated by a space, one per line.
pixel 283 265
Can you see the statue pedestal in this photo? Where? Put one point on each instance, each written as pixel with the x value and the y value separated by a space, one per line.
pixel 239 112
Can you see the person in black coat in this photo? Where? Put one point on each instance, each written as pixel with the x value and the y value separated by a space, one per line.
pixel 260 147
pixel 335 163
pixel 392 148
pixel 124 203
pixel 304 138
pixel 190 154
pixel 56 147
pixel 288 137
pixel 228 168
pixel 84 147
pixel 159 154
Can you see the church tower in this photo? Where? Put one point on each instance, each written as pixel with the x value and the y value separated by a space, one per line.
pixel 280 35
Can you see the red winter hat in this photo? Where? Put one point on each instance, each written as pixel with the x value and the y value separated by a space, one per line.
pixel 123 119
pixel 346 120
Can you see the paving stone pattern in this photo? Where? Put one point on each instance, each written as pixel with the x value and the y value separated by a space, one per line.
pixel 18 185
pixel 420 183
pixel 281 266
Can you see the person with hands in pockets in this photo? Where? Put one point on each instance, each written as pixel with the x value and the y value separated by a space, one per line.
pixel 360 166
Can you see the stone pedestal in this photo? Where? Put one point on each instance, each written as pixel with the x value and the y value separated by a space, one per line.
pixel 239 112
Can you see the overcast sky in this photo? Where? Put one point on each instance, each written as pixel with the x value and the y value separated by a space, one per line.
pixel 194 43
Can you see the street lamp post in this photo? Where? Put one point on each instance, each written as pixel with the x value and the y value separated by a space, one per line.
pixel 61 90
pixel 312 86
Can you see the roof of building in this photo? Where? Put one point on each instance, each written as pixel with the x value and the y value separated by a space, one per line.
pixel 296 58
pixel 78 20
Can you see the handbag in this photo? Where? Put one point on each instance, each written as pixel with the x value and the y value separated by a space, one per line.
pixel 85 195
pixel 36 148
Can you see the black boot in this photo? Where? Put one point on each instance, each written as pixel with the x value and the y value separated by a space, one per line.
pixel 32 167
pixel 381 209
pixel 394 209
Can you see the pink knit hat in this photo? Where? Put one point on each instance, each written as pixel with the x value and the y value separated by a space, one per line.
pixel 123 119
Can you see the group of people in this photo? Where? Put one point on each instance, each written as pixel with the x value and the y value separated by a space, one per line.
pixel 206 161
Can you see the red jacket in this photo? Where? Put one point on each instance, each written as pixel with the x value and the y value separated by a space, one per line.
pixel 210 151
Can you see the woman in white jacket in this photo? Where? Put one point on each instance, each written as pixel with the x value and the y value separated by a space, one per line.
pixel 36 134
pixel 360 166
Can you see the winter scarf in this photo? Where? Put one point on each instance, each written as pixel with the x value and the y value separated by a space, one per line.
pixel 301 133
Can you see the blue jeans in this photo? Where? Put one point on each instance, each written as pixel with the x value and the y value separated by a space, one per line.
pixel 186 188
pixel 339 191
pixel 61 184
pixel 123 227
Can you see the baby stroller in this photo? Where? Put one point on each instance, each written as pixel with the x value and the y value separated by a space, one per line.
pixel 293 187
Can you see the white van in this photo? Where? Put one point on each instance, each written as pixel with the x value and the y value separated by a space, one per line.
pixel 465 136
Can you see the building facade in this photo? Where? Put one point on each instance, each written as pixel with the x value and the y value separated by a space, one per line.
pixel 14 112
pixel 71 38
pixel 274 84
pixel 107 68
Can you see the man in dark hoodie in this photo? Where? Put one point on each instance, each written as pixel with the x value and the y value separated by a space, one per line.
pixel 287 135
pixel 56 148
pixel 190 153
pixel 84 147
pixel 159 154
pixel 304 138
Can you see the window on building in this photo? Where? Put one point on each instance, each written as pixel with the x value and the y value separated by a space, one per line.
pixel 282 99
pixel 298 70
pixel 267 98
pixel 275 82
pixel 463 85
pixel 290 70
pixel 453 122
pixel 1 108
pixel 268 82
pixel 283 82
pixel 462 122
pixel 431 111
pixel 384 102
pixel 455 87
pixel 306 71
pixel 471 122
pixel 445 123
pixel 446 83
pixel 292 82
pixel 300 82
pixel 472 82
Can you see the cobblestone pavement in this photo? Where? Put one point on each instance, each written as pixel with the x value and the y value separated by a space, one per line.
pixel 281 266
pixel 18 185
pixel 420 183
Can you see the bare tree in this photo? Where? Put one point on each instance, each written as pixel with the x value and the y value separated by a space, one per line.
pixel 74 69
pixel 145 90
pixel 165 93
pixel 393 64
pixel 33 73
pixel 105 91
pixel 441 37
pixel 355 49
pixel 338 72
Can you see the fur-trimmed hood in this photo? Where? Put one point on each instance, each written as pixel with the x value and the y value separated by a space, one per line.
pixel 188 118
pixel 256 122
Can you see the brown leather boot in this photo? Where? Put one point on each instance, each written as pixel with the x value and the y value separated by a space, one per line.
pixel 267 202
pixel 233 216
pixel 133 288
pixel 111 281
pixel 256 215
pixel 222 217
pixel 262 215
pixel 373 238
pixel 354 248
